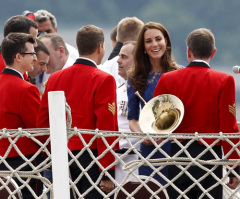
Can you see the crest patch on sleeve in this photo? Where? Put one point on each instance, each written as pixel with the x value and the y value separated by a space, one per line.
pixel 232 109
pixel 112 108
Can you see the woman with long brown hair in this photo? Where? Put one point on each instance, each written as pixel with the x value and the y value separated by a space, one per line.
pixel 153 56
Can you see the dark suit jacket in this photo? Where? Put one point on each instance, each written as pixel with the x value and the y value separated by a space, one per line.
pixel 116 50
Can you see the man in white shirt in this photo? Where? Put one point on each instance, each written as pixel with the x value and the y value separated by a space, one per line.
pixel 59 57
pixel 40 65
pixel 47 22
pixel 127 30
pixel 125 61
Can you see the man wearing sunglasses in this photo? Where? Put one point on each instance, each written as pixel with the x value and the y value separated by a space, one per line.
pixel 19 103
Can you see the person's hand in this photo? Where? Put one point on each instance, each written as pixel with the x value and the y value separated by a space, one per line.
pixel 233 182
pixel 149 142
pixel 106 185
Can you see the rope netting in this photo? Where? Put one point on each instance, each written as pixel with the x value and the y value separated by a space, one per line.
pixel 128 181
pixel 131 177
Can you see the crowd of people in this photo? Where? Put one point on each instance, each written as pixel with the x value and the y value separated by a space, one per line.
pixel 35 59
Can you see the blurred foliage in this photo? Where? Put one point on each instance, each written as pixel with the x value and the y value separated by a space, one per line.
pixel 179 17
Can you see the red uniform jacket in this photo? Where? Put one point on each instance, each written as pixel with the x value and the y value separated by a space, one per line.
pixel 19 104
pixel 2 63
pixel 208 97
pixel 91 94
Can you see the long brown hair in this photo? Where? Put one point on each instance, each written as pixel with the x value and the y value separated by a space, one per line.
pixel 142 66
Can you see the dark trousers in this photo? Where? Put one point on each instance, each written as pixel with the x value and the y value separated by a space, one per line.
pixel 83 184
pixel 36 185
pixel 183 182
pixel 48 174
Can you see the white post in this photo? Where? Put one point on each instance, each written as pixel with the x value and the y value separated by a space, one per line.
pixel 58 134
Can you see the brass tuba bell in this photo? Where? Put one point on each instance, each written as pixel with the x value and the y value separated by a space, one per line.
pixel 161 114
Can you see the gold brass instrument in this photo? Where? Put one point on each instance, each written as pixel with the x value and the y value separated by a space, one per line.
pixel 162 114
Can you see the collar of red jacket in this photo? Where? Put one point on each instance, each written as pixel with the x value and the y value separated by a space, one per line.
pixel 85 62
pixel 198 63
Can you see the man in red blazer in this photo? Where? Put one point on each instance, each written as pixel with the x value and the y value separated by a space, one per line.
pixel 209 102
pixel 19 103
pixel 91 94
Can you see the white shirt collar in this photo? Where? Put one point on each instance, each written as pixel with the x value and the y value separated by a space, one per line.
pixel 199 60
pixel 88 60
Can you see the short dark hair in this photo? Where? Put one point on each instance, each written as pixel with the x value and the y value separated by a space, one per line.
pixel 201 42
pixel 88 39
pixel 41 47
pixel 56 40
pixel 14 43
pixel 19 23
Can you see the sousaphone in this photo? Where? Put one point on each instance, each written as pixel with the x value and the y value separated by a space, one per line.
pixel 162 114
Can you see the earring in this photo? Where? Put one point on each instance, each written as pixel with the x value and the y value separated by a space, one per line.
pixel 145 52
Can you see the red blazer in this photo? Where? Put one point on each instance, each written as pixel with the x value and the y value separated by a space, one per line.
pixel 208 97
pixel 19 104
pixel 2 63
pixel 91 94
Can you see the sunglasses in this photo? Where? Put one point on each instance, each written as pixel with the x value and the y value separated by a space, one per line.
pixel 33 54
